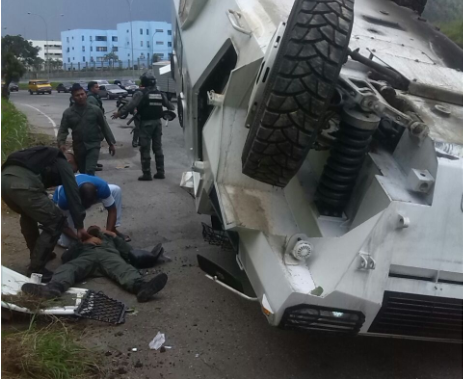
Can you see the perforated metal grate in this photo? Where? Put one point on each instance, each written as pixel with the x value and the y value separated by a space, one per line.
pixel 98 306
pixel 419 315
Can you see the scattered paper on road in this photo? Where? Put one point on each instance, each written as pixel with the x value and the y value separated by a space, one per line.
pixel 157 342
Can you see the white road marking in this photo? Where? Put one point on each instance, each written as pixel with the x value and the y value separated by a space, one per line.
pixel 45 115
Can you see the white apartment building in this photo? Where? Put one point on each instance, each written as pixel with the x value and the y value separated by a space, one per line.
pixel 48 49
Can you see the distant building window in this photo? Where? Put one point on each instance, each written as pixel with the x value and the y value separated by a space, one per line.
pixel 159 43
pixel 69 60
pixel 128 54
pixel 127 31
pixel 114 39
pixel 82 38
pixel 91 48
pixel 141 31
pixel 83 48
pixel 101 38
pixel 72 37
pixel 169 44
pixel 83 59
pixel 159 30
pixel 148 43
pixel 141 43
pixel 169 32
pixel 73 48
pixel 67 50
pixel 73 58
pixel 115 48
pixel 102 48
pixel 67 39
pixel 148 32
pixel 91 38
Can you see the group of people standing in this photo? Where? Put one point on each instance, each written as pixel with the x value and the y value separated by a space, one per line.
pixel 27 174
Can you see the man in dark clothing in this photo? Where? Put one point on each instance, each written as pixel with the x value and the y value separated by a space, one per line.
pixel 87 124
pixel 26 175
pixel 94 98
pixel 149 104
pixel 136 130
pixel 105 254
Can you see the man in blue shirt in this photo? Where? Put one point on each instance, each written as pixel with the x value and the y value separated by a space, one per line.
pixel 92 190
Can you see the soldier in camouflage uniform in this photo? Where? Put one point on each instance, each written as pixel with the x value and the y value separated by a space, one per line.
pixel 149 103
pixel 26 175
pixel 105 254
pixel 87 124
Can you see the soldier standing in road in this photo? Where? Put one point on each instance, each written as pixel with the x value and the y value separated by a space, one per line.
pixel 94 98
pixel 26 174
pixel 136 130
pixel 149 104
pixel 87 123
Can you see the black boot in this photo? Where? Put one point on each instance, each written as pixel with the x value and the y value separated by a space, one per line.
pixel 49 291
pixel 158 250
pixel 146 290
pixel 145 177
pixel 46 274
pixel 159 167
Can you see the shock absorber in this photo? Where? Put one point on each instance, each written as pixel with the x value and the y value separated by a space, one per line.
pixel 345 161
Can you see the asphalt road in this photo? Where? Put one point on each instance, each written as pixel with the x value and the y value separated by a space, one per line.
pixel 213 333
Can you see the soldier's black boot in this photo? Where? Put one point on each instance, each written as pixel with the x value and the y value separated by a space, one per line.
pixel 49 291
pixel 159 167
pixel 145 177
pixel 146 290
pixel 159 175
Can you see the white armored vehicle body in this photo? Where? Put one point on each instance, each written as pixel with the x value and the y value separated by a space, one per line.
pixel 325 139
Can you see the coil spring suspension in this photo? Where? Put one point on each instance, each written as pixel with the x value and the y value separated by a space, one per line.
pixel 345 161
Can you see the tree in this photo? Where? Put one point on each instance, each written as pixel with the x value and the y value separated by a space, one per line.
pixel 38 64
pixel 111 57
pixel 55 64
pixel 17 54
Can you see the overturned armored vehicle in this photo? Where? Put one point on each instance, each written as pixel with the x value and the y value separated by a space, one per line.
pixel 325 139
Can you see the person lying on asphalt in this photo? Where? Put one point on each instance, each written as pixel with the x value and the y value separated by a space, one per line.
pixel 92 190
pixel 104 254
pixel 26 175
pixel 87 124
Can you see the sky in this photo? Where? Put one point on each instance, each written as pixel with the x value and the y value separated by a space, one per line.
pixel 77 14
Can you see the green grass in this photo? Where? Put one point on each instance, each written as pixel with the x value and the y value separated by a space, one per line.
pixel 453 30
pixel 15 129
pixel 50 352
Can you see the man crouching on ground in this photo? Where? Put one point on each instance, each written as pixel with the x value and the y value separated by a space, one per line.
pixel 104 254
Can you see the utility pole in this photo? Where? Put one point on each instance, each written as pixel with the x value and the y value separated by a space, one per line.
pixel 129 2
pixel 47 56
pixel 152 48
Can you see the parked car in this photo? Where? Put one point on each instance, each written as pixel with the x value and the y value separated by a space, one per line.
pixel 102 81
pixel 40 86
pixel 85 86
pixel 111 91
pixel 127 85
pixel 64 87
pixel 14 87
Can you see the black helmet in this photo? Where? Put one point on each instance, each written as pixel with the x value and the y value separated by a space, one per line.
pixel 148 79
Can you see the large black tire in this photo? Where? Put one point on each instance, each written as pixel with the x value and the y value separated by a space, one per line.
pixel 299 89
